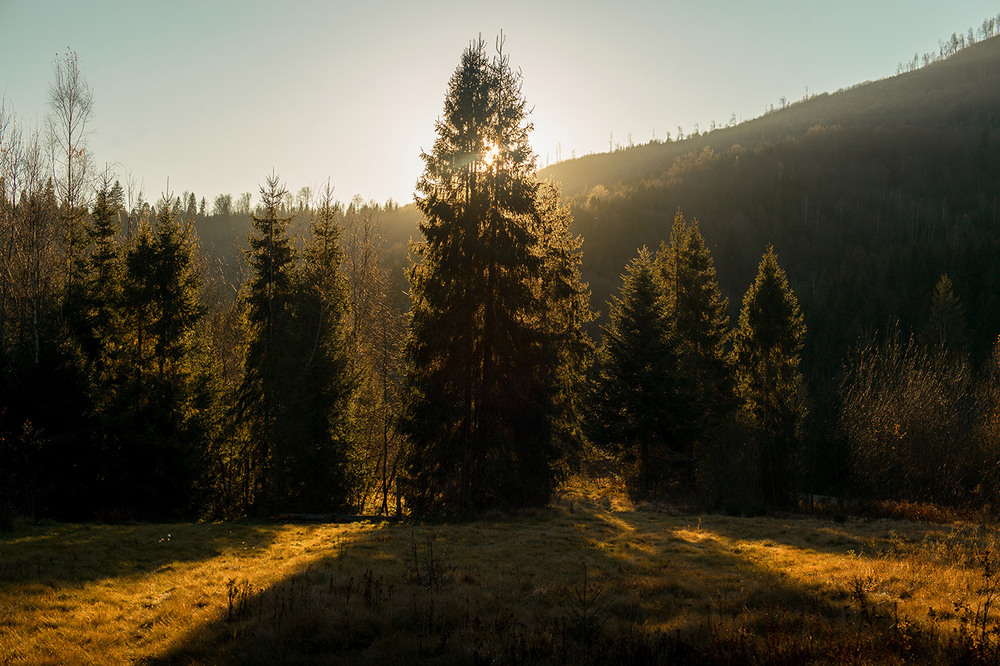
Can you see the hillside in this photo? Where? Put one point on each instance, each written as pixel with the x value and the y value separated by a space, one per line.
pixel 959 91
pixel 867 194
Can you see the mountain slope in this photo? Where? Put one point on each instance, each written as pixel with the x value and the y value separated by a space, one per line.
pixel 868 195
pixel 954 91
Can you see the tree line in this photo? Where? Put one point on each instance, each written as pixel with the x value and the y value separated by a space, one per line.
pixel 143 378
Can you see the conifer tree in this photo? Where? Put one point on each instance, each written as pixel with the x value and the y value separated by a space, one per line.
pixel 269 300
pixel 945 328
pixel 93 311
pixel 636 389
pixel 160 417
pixel 567 310
pixel 481 394
pixel 314 465
pixel 697 313
pixel 767 351
pixel 94 306
pixel 295 399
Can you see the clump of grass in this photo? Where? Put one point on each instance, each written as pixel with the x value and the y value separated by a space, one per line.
pixel 424 567
pixel 238 596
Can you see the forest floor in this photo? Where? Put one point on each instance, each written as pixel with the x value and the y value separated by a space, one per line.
pixel 592 578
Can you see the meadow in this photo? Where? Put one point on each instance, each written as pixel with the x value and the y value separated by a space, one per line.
pixel 592 578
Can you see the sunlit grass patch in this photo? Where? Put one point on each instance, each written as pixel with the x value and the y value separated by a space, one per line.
pixel 590 577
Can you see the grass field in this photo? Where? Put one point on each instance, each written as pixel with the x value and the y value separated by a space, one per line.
pixel 588 580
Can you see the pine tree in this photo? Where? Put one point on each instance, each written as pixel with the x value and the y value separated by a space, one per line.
pixel 945 328
pixel 697 312
pixel 314 465
pixel 767 352
pixel 636 389
pixel 481 403
pixel 270 300
pixel 567 301
pixel 160 417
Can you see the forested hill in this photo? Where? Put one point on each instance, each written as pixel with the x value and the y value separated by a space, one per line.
pixel 951 92
pixel 868 195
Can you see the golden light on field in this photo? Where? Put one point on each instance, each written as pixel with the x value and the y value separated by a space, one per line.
pixel 214 593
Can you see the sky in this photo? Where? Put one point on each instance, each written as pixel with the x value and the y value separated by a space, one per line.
pixel 214 95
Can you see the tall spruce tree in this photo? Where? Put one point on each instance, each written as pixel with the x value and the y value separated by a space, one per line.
pixel 314 466
pixel 767 351
pixel 94 307
pixel 567 300
pixel 482 404
pixel 295 400
pixel 162 401
pixel 636 392
pixel 697 312
pixel 269 302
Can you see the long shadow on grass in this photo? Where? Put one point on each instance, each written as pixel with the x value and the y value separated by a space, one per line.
pixel 585 586
pixel 79 553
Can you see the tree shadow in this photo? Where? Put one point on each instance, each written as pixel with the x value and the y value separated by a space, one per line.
pixel 585 586
pixel 64 554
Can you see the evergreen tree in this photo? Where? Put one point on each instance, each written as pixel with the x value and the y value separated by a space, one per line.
pixel 93 313
pixel 94 306
pixel 270 300
pixel 314 465
pixel 767 352
pixel 567 301
pixel 161 412
pixel 481 406
pixel 697 313
pixel 294 404
pixel 636 388
pixel 945 329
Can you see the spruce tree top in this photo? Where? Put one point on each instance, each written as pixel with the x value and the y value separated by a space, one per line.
pixel 770 321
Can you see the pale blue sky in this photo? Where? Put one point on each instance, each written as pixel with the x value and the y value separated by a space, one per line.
pixel 215 93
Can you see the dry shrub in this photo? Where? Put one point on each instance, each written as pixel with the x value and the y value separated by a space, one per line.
pixel 911 416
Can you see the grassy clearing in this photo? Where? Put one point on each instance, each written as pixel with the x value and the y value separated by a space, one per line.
pixel 591 578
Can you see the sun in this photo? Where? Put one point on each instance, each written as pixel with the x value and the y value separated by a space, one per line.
pixel 491 154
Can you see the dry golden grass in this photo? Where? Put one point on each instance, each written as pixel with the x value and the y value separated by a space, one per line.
pixel 592 578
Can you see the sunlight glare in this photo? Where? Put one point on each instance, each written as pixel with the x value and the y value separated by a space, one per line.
pixel 491 154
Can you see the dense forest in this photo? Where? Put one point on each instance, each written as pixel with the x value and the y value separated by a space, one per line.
pixel 802 303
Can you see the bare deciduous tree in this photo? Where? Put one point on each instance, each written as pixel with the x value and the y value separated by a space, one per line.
pixel 71 102
pixel 376 327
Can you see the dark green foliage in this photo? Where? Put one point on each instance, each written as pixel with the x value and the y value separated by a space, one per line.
pixel 94 306
pixel 636 390
pixel 567 303
pixel 945 329
pixel 767 352
pixel 269 300
pixel 697 313
pixel 316 465
pixel 112 404
pixel 484 350
pixel 157 417
pixel 293 405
